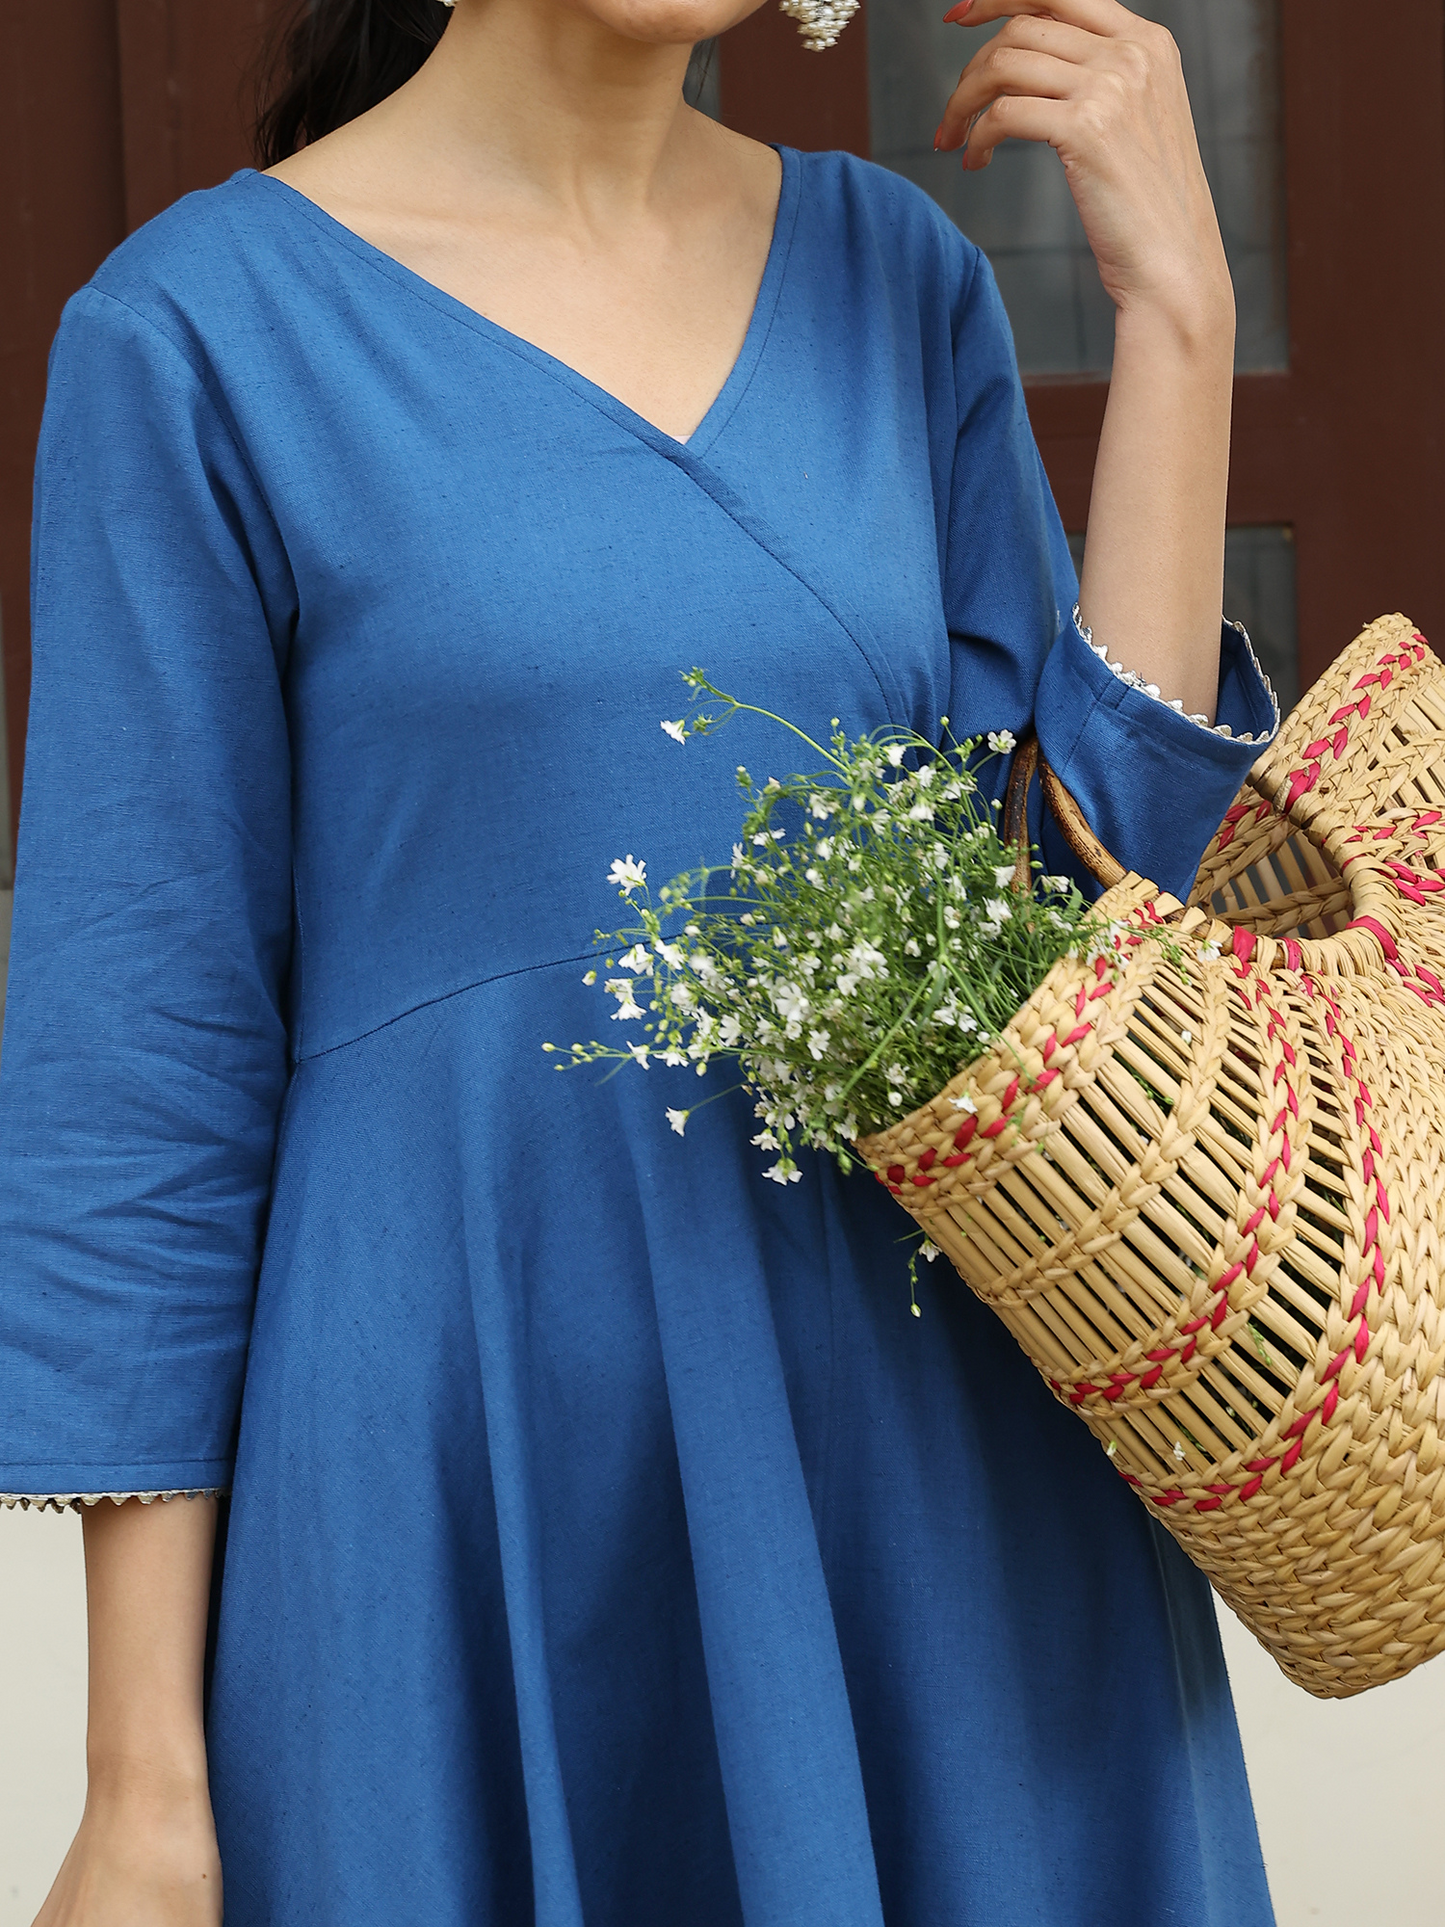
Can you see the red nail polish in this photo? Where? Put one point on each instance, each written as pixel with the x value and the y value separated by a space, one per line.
pixel 955 14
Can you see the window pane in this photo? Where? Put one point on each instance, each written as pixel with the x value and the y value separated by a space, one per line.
pixel 1020 211
pixel 1259 591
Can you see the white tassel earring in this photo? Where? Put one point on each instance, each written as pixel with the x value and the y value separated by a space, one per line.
pixel 820 21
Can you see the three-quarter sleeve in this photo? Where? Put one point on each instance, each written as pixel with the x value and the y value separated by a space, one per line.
pixel 145 1054
pixel 1153 783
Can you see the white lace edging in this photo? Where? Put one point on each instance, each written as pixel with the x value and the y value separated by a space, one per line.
pixel 73 1501
pixel 1152 688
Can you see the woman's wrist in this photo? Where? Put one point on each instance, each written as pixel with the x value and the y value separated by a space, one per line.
pixel 167 1777
pixel 1192 323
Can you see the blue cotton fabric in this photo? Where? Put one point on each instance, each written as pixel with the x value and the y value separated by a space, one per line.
pixel 609 1546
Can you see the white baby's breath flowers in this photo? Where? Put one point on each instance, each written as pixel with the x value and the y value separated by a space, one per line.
pixel 866 940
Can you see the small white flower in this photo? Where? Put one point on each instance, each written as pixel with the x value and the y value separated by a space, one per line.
pixel 590 978
pixel 1179 1450
pixel 637 959
pixel 1002 742
pixel 951 917
pixel 675 731
pixel 896 1074
pixel 895 1097
pixel 678 1120
pixel 639 1051
pixel 924 776
pixel 822 806
pixel 996 910
pixel 1060 886
pixel 1209 953
pixel 928 1250
pixel 790 1003
pixel 825 847
pixel 672 1055
pixel 729 1031
pixel 895 753
pixel 780 1174
pixel 767 1141
pixel 761 840
pixel 1003 875
pixel 627 875
pixel 847 982
pixel 627 1013
pixel 922 812
pixel 964 1104
pixel 1111 1448
pixel 670 953
pixel 867 961
pixel 780 940
pixel 814 876
pixel 818 1041
pixel 910 949
pixel 620 988
pixel 1186 1036
pixel 739 859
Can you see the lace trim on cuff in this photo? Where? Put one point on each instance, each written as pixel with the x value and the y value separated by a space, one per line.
pixel 1152 689
pixel 73 1501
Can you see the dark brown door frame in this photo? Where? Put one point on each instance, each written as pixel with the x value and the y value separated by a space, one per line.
pixel 1348 446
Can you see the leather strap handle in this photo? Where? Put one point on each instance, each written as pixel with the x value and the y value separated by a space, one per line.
pixel 1104 867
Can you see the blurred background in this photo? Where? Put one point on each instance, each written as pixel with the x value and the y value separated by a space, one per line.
pixel 1323 131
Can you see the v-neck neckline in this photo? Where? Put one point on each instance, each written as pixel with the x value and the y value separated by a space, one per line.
pixel 723 403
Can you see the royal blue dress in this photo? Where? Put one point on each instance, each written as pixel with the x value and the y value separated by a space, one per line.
pixel 608 1547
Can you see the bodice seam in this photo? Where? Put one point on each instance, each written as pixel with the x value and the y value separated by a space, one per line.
pixel 443 997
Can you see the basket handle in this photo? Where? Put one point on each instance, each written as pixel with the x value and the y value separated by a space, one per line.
pixel 1105 868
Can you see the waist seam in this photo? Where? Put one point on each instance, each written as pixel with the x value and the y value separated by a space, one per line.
pixel 443 997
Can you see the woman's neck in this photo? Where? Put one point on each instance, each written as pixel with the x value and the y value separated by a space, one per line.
pixel 541 101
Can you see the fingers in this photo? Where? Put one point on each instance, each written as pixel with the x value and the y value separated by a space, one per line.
pixel 999 72
pixel 1014 117
pixel 1105 17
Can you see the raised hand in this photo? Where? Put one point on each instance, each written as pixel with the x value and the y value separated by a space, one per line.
pixel 1106 90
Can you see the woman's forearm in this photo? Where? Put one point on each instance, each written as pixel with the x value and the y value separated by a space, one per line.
pixel 148 1582
pixel 1153 576
pixel 146 1848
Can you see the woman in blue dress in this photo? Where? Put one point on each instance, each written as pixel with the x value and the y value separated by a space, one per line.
pixel 605 1545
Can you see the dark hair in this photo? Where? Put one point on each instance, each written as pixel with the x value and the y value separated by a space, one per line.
pixel 329 60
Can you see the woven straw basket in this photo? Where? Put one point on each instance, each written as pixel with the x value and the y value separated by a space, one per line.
pixel 1201 1186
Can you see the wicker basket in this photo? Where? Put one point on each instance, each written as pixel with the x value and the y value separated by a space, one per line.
pixel 1201 1184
